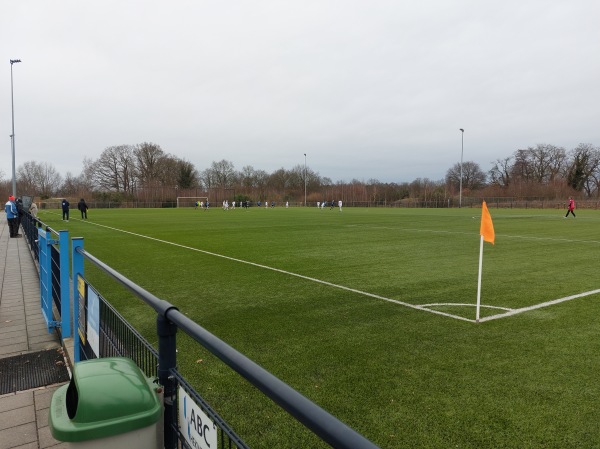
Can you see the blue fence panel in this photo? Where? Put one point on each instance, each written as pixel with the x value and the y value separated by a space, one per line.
pixel 45 244
pixel 54 281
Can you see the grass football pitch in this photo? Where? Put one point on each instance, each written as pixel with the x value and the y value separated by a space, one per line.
pixel 370 313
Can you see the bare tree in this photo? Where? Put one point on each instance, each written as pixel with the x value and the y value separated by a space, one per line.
pixel 148 159
pixel 279 181
pixel 247 177
pixel 540 164
pixel 547 161
pixel 187 175
pixel 584 169
pixel 208 178
pixel 473 177
pixel 313 181
pixel 500 173
pixel 261 179
pixel 522 169
pixel 223 173
pixel 39 178
pixel 168 172
pixel 115 169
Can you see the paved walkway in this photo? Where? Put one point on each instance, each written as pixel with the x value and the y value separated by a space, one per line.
pixel 23 415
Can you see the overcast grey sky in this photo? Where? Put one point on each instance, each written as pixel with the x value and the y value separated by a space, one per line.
pixel 367 89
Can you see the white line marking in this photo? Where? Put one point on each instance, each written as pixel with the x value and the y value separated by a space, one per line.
pixel 455 304
pixel 423 307
pixel 540 306
pixel 508 236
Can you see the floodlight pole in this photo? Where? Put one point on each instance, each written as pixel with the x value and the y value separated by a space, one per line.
pixel 462 146
pixel 12 136
pixel 304 179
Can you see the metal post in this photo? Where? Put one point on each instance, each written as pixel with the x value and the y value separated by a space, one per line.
pixel 167 360
pixel 304 179
pixel 45 264
pixel 462 139
pixel 12 136
pixel 65 295
pixel 77 270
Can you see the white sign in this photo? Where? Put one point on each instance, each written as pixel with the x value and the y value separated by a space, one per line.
pixel 197 428
pixel 93 321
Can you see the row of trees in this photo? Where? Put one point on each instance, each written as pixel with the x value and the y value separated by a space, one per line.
pixel 145 172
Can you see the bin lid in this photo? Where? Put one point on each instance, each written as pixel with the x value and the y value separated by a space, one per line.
pixel 105 397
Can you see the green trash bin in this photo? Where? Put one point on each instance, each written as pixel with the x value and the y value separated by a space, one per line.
pixel 109 401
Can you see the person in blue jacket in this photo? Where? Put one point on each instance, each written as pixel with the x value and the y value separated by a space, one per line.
pixel 12 216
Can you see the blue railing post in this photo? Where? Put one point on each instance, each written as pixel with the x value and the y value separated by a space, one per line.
pixel 45 274
pixel 167 360
pixel 65 293
pixel 77 270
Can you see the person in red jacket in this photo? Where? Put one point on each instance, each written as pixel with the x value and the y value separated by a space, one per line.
pixel 571 208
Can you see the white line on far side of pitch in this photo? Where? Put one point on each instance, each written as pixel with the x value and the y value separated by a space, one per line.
pixel 423 307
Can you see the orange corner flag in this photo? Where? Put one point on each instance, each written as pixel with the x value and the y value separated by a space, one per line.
pixel 487 227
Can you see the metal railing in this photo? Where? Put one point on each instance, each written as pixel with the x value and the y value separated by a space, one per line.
pixel 169 319
pixel 30 228
pixel 118 338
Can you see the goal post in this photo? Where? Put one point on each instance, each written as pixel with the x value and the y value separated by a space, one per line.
pixel 190 201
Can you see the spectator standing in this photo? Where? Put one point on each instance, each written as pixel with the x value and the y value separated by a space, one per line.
pixel 65 209
pixel 33 210
pixel 83 207
pixel 12 216
pixel 20 212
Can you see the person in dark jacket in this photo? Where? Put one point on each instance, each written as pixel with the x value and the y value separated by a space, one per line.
pixel 82 208
pixel 65 209
pixel 19 204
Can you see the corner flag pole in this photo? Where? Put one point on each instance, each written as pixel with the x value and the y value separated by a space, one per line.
pixel 479 280
pixel 486 230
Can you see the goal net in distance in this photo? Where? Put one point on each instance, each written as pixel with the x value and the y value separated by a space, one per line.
pixel 190 201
